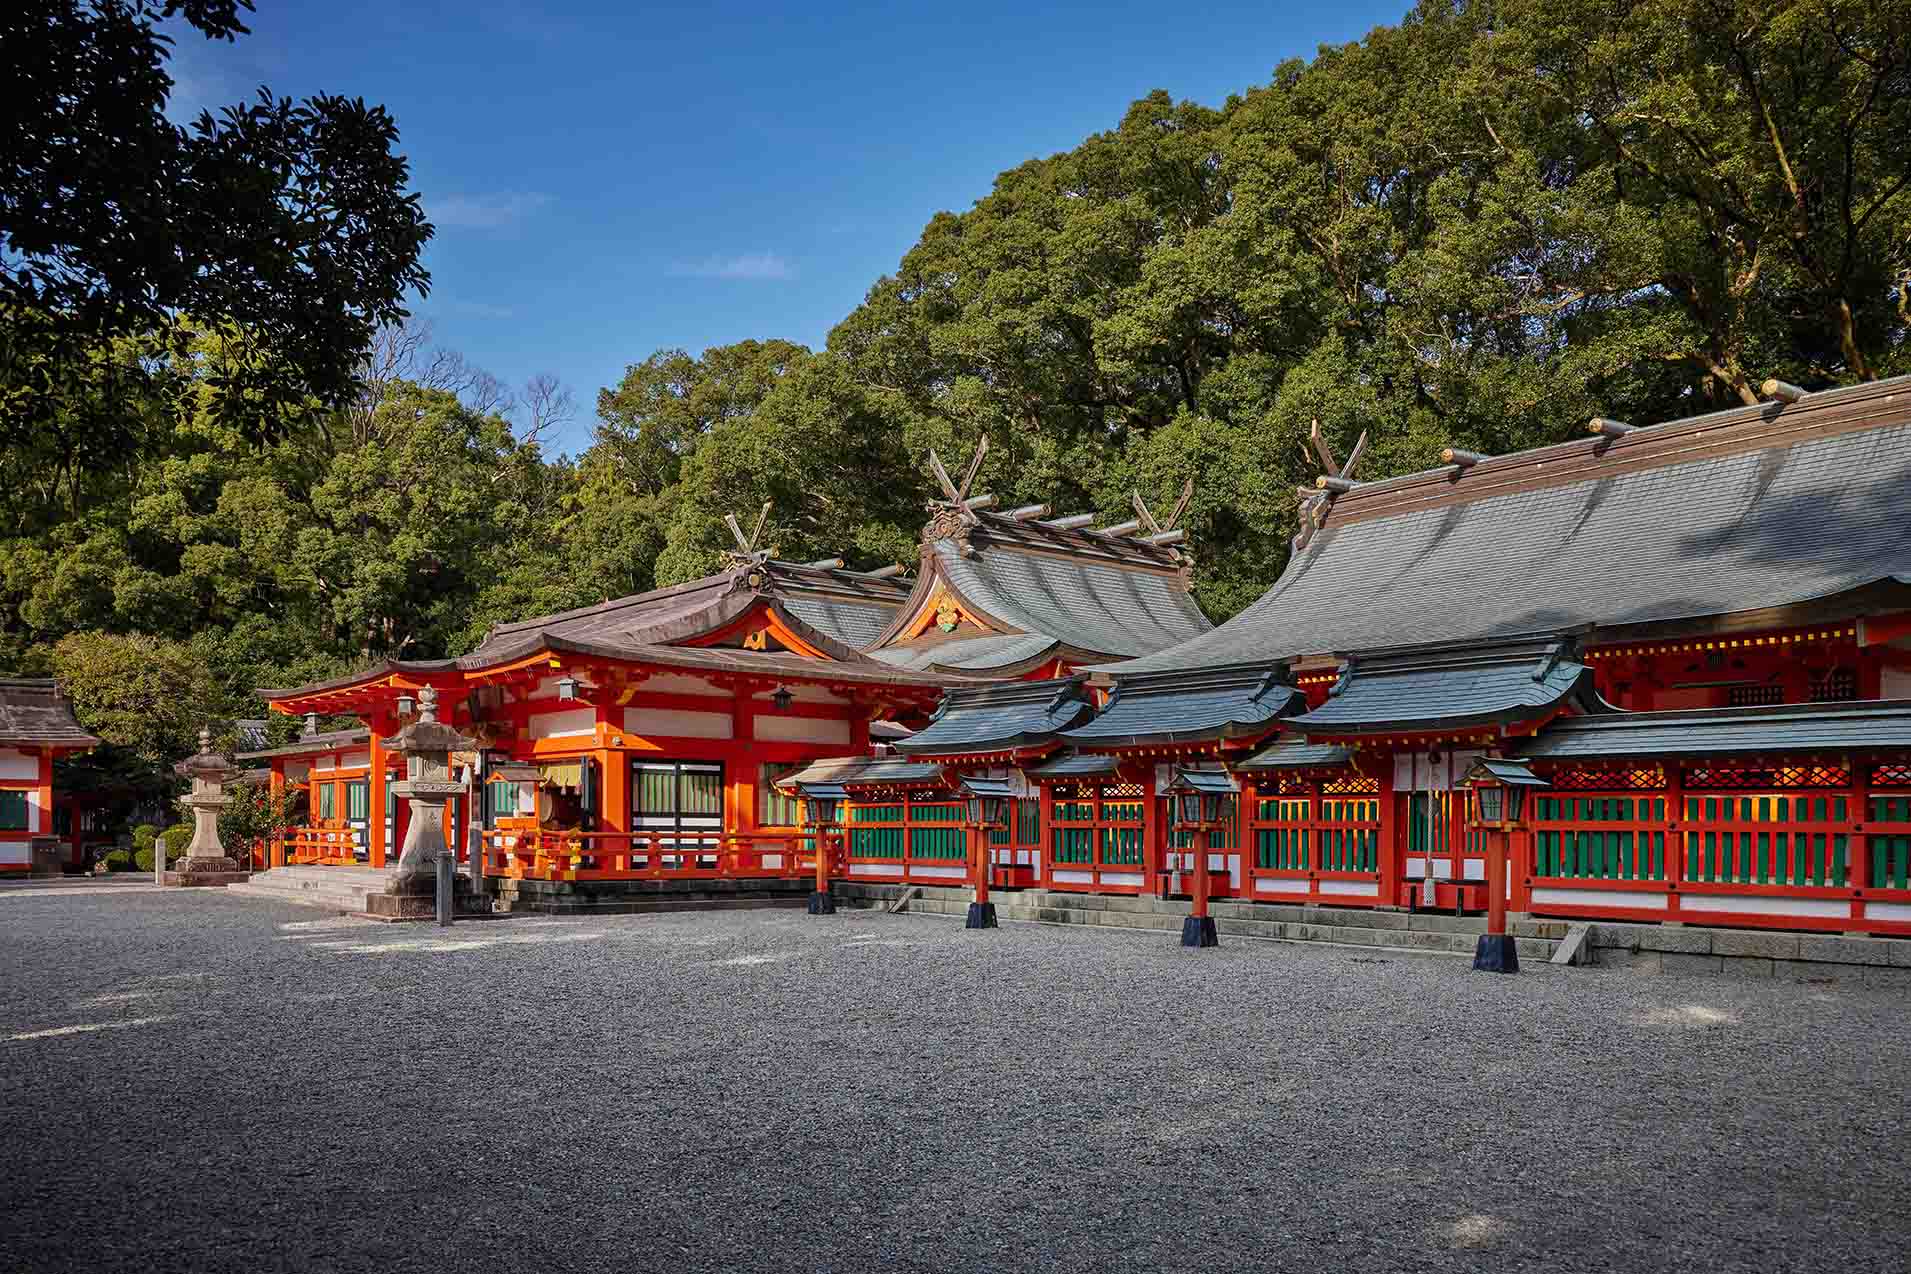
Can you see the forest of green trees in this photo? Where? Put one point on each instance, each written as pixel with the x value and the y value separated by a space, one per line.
pixel 1478 227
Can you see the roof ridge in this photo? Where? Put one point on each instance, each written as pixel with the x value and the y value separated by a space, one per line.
pixel 699 584
pixel 1645 447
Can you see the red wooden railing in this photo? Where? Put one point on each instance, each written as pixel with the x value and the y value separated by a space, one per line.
pixel 540 854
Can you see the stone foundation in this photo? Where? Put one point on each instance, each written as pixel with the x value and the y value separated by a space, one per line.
pixel 205 879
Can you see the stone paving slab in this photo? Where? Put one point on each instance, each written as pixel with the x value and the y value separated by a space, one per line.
pixel 769 1091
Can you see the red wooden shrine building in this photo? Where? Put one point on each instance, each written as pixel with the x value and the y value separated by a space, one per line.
pixel 37 728
pixel 616 739
pixel 1699 633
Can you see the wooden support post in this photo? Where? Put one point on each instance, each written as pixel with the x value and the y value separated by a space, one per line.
pixel 376 782
pixel 1858 854
pixel 1497 952
pixel 822 902
pixel 981 911
pixel 1198 929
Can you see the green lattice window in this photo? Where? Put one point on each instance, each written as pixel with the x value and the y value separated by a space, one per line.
pixel 1767 840
pixel 875 831
pixel 1890 852
pixel 1602 837
pixel 943 839
pixel 1108 823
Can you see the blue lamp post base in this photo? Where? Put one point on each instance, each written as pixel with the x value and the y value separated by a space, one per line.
pixel 1198 931
pixel 981 916
pixel 822 903
pixel 1496 953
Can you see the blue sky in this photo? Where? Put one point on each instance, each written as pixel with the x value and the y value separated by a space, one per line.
pixel 608 180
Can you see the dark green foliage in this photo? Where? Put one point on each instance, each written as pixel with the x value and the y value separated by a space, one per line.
pixel 1476 228
pixel 287 222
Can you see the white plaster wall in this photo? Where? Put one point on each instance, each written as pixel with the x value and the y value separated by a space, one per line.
pixel 15 764
pixel 572 724
pixel 678 723
pixel 297 771
pixel 1896 684
pixel 677 683
pixel 802 730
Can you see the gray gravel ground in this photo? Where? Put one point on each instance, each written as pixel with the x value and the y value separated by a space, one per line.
pixel 767 1090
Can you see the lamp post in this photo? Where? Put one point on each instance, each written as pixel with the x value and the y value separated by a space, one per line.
pixel 1198 801
pixel 1499 801
pixel 987 801
pixel 822 801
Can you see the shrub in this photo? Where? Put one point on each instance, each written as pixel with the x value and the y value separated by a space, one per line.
pixel 177 837
pixel 143 837
pixel 143 858
pixel 119 860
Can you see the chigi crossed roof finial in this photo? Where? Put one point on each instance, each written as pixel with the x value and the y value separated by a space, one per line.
pixel 956 497
pixel 1162 526
pixel 746 552
pixel 1338 480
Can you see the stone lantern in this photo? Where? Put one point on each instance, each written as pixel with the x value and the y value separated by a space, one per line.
pixel 206 861
pixel 426 744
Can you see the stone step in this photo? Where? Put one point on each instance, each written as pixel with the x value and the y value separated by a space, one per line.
pixel 1395 930
pixel 646 906
pixel 1228 909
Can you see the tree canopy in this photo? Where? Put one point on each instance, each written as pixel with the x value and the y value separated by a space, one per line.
pixel 287 222
pixel 1477 228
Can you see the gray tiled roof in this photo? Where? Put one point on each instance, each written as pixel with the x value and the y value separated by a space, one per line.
pixel 1184 707
pixel 969 654
pixel 324 741
pixel 1081 603
pixel 1738 511
pixel 1449 689
pixel 35 713
pixel 1076 765
pixel 852 623
pixel 1002 717
pixel 1293 754
pixel 865 771
pixel 846 607
pixel 1816 727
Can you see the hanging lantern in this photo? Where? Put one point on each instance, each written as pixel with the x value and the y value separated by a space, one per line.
pixel 782 698
pixel 1199 798
pixel 568 687
pixel 407 704
pixel 988 801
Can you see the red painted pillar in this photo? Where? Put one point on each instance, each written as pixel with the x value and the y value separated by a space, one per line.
pixel 377 781
pixel 1391 832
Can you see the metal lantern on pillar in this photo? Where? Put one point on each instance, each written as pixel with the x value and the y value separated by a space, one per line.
pixel 825 801
pixel 1198 798
pixel 987 801
pixel 1499 791
pixel 1499 795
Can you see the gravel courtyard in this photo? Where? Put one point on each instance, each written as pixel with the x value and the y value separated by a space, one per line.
pixel 197 1082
